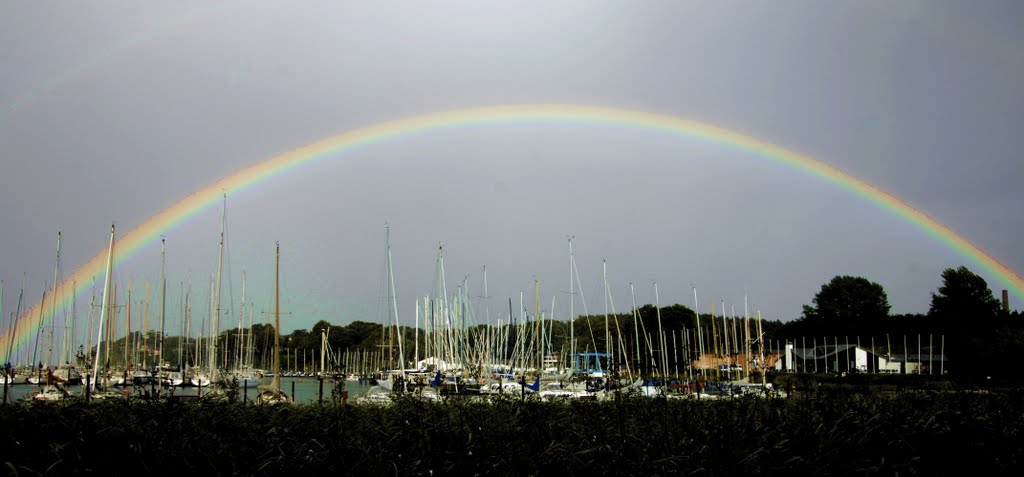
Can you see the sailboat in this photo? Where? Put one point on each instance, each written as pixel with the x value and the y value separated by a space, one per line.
pixel 243 372
pixel 387 381
pixel 101 390
pixel 271 394
pixel 54 388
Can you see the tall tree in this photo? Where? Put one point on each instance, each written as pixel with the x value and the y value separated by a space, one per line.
pixel 963 295
pixel 849 299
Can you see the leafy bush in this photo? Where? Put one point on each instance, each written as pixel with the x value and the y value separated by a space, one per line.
pixel 937 433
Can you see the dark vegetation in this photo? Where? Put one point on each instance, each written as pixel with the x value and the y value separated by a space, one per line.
pixel 940 433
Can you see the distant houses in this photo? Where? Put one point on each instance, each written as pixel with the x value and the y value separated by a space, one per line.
pixel 852 358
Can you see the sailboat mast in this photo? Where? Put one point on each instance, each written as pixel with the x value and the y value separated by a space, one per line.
pixel 14 320
pixel 700 334
pixel 240 336
pixel 145 328
pixel 607 330
pixel 746 335
pixel 416 337
pixel 250 340
pixel 636 329
pixel 760 343
pixel 662 343
pixel 537 325
pixel 572 314
pixel 92 306
pixel 53 302
pixel 215 321
pixel 103 308
pixel 487 316
pixel 393 302
pixel 128 329
pixel 71 352
pixel 276 382
pixel 163 306
pixel 39 332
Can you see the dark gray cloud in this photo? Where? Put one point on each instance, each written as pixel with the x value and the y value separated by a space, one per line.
pixel 117 110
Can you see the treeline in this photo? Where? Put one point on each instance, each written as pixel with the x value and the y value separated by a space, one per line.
pixel 965 322
pixel 980 339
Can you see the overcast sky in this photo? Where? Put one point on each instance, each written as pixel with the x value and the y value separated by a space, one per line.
pixel 114 110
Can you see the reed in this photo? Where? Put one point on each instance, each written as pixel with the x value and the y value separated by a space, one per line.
pixel 938 433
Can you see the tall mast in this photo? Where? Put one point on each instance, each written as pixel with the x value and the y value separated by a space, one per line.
pixel 416 337
pixel 128 329
pixel 393 298
pixel 240 338
pixel 276 382
pixel 735 336
pixel 14 327
pixel 88 335
pixel 572 314
pixel 251 341
pixel 725 328
pixel 662 343
pixel 103 307
pixel 760 342
pixel 537 325
pixel 111 327
pixel 145 328
pixel 39 329
pixel 163 306
pixel 487 316
pixel 215 321
pixel 386 331
pixel 746 335
pixel 618 331
pixel 53 304
pixel 607 330
pixel 636 329
pixel 700 334
pixel 71 341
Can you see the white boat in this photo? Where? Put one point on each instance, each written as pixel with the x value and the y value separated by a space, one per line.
pixel 174 378
pixel 200 380
pixel 51 392
pixel 269 397
pixel 506 387
pixel 429 395
pixel 249 379
pixel 375 395
pixel 554 391
pixel 109 394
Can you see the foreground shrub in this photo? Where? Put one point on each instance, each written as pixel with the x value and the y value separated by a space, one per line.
pixel 815 434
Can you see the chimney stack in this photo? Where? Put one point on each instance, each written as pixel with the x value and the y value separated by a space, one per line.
pixel 1006 301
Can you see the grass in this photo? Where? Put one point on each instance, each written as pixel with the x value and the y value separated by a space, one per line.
pixel 813 434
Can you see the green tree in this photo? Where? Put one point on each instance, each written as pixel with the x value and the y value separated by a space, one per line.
pixel 963 295
pixel 849 299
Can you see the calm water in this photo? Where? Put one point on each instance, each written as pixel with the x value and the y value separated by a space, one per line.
pixel 305 389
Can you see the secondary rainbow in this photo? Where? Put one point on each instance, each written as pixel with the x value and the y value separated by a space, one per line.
pixel 539 113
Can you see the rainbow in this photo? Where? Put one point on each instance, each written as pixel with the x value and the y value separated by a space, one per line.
pixel 335 145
